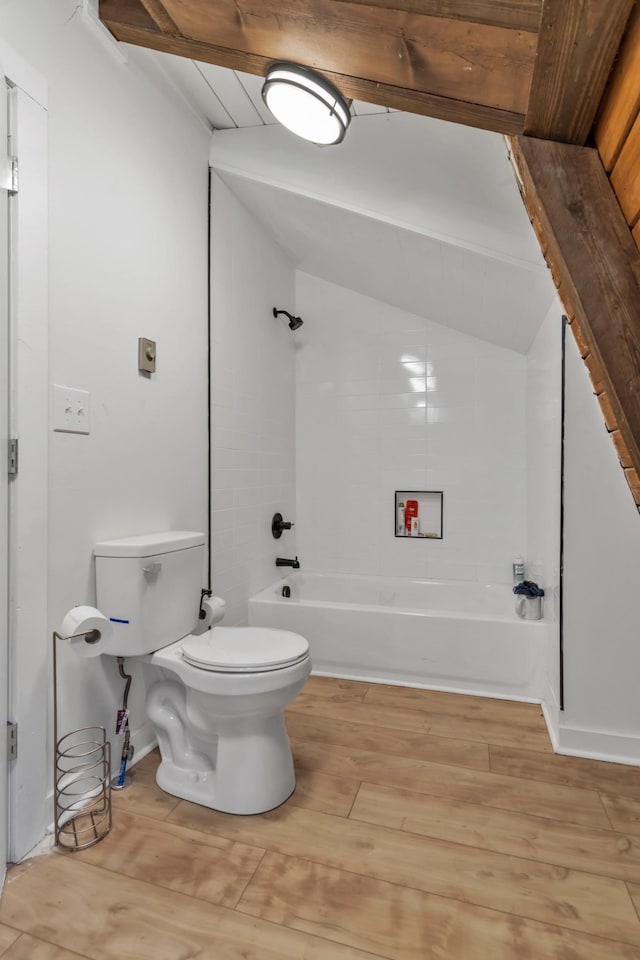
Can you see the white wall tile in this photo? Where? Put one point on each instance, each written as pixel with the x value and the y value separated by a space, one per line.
pixel 253 412
pixel 386 401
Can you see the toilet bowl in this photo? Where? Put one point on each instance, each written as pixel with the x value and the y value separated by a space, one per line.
pixel 216 700
pixel 219 719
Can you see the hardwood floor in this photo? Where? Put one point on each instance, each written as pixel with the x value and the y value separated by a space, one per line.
pixel 424 826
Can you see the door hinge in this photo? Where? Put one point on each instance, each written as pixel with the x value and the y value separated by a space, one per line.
pixel 12 741
pixel 9 174
pixel 12 467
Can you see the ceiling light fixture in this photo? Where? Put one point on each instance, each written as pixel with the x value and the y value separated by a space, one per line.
pixel 306 103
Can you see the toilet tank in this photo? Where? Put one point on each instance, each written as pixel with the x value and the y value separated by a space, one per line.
pixel 149 588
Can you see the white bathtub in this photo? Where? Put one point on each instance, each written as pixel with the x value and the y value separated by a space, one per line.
pixel 446 635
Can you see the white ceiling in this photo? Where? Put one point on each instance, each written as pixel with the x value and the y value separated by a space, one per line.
pixel 228 99
pixel 477 294
pixel 441 179
pixel 418 213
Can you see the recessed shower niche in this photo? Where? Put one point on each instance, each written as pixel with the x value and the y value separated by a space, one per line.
pixel 418 513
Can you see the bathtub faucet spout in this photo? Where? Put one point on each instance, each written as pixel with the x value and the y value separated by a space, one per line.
pixel 282 562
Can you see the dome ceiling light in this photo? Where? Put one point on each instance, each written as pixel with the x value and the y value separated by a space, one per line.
pixel 305 103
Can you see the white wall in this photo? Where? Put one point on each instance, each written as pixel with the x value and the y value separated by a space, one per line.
pixel 543 431
pixel 387 400
pixel 602 560
pixel 127 239
pixel 253 403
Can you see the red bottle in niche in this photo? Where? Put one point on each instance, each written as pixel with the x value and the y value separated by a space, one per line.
pixel 410 512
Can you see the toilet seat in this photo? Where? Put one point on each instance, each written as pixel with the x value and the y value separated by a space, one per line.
pixel 244 650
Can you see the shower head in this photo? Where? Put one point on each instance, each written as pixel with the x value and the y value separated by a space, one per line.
pixel 294 322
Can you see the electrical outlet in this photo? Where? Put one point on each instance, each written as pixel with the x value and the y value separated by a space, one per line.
pixel 71 410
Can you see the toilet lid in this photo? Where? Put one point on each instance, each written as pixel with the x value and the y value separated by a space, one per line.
pixel 245 649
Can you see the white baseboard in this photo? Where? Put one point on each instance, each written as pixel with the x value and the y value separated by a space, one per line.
pixel 551 714
pixel 589 744
pixel 470 691
pixel 43 848
pixel 144 741
pixel 598 745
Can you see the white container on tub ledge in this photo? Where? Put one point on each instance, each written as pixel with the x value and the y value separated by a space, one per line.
pixel 529 608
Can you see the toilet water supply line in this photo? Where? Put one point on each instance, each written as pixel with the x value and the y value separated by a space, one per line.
pixel 122 724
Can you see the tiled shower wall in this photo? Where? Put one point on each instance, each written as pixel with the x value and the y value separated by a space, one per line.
pixel 387 400
pixel 253 403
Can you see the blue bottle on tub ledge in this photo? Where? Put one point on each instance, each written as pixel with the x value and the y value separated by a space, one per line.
pixel 529 600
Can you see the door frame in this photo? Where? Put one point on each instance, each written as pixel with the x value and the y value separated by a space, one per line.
pixel 29 667
pixel 4 479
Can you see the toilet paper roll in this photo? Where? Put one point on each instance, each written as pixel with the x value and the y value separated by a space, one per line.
pixel 86 620
pixel 214 610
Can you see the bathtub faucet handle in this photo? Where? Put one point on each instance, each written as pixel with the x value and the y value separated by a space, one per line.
pixel 278 525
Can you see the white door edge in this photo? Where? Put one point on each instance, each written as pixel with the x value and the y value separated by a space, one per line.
pixel 29 658
pixel 4 480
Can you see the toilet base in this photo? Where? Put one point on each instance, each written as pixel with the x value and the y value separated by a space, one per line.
pixel 199 788
pixel 235 764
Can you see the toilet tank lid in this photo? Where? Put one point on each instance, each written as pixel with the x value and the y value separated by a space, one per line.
pixel 149 544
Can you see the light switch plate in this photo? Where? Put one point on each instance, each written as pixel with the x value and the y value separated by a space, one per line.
pixel 146 355
pixel 71 410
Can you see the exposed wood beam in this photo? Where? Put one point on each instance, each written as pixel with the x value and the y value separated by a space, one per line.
pixel 414 101
pixel 446 59
pixel 514 14
pixel 596 266
pixel 577 45
pixel 127 11
pixel 159 15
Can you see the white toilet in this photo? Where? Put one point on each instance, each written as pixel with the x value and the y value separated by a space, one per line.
pixel 216 700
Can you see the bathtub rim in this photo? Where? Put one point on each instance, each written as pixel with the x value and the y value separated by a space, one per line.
pixel 269 595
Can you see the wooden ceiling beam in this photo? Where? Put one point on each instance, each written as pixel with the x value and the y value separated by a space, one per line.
pixel 131 12
pixel 454 59
pixel 451 69
pixel 513 14
pixel 356 88
pixel 577 45
pixel 159 15
pixel 595 263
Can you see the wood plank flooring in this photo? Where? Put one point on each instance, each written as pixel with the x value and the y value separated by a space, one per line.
pixel 424 826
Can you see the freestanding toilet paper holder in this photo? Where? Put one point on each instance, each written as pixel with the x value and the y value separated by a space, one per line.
pixel 81 774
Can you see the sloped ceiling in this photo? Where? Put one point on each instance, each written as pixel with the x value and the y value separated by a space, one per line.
pixel 421 214
pixel 476 294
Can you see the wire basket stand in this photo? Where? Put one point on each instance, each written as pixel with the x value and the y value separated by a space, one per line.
pixel 81 776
